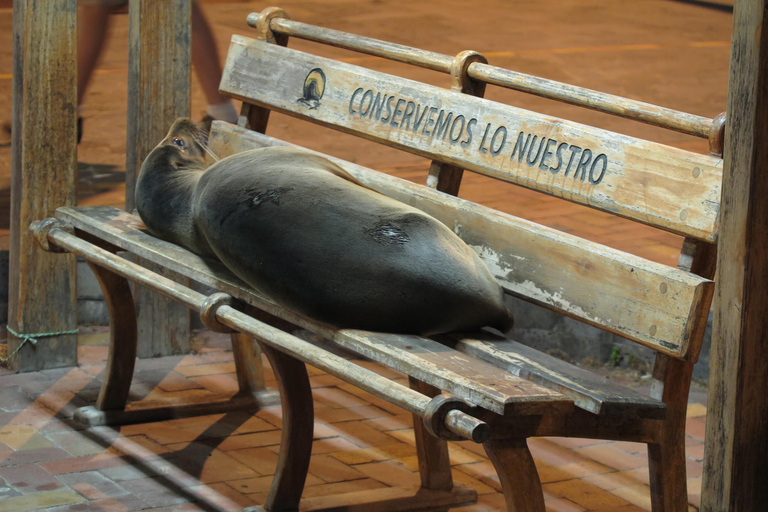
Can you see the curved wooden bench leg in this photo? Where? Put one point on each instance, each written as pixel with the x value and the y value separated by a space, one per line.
pixel 122 340
pixel 298 427
pixel 517 473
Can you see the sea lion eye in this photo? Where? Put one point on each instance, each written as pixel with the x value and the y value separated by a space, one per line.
pixel 179 142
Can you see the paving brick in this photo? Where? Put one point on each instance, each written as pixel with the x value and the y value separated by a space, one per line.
pixel 126 472
pixel 329 469
pixel 574 442
pixel 221 495
pixel 695 410
pixel 32 456
pixel 371 399
pixel 362 434
pixel 252 424
pixel 693 468
pixel 638 495
pixel 570 471
pixel 66 464
pixel 411 462
pixel 64 403
pixel 563 505
pixel 460 455
pixel 7 491
pixel 696 427
pixel 41 500
pixel 460 477
pixel 93 485
pixel 32 414
pixel 695 452
pixel 612 457
pixel 33 382
pixel 337 398
pixel 638 449
pixel 252 440
pixel 122 504
pixel 182 507
pixel 29 478
pixel 588 496
pixel 157 491
pixel 175 381
pixel 615 479
pixel 333 488
pixel 81 443
pixel 551 453
pixel 218 383
pixel 12 398
pixel 206 369
pixel 252 485
pixel 15 436
pixel 484 472
pixel 365 455
pixel 261 460
pixel 211 465
pixel 364 412
pixel 387 423
pixel 332 445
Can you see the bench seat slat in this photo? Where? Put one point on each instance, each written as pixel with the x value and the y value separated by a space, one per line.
pixel 473 380
pixel 589 391
pixel 657 306
pixel 648 182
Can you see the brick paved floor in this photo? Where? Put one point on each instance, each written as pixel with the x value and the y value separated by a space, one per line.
pixel 224 462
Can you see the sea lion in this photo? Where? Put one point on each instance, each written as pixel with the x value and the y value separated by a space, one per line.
pixel 301 230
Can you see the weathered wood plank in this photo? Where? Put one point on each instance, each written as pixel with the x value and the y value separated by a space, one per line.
pixel 647 302
pixel 736 455
pixel 158 93
pixel 655 184
pixel 42 294
pixel 427 360
pixel 589 391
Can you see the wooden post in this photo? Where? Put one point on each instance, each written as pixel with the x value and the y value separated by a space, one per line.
pixel 158 93
pixel 736 455
pixel 42 294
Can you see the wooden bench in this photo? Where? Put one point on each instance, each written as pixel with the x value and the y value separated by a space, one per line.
pixel 476 386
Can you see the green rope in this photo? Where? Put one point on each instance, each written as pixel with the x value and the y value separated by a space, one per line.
pixel 32 338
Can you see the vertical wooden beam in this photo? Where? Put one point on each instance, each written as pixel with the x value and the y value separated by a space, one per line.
pixel 42 295
pixel 158 93
pixel 736 455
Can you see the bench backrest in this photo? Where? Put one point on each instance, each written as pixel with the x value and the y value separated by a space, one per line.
pixel 658 306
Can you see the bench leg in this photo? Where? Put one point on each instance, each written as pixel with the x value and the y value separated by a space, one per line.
pixel 122 340
pixel 434 462
pixel 250 371
pixel 298 427
pixel 666 459
pixel 110 407
pixel 517 473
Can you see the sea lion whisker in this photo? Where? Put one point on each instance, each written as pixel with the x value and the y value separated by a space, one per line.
pixel 201 138
pixel 211 153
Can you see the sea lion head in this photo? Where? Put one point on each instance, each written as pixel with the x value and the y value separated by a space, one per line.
pixel 185 146
pixel 166 183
